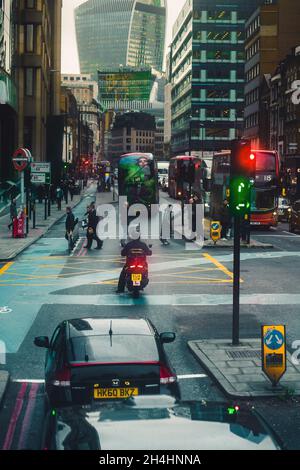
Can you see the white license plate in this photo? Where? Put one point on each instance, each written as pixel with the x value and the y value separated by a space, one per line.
pixel 255 223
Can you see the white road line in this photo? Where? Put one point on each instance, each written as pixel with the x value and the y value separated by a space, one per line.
pixel 191 376
pixel 291 234
pixel 28 381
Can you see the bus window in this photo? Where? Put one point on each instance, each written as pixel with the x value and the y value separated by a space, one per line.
pixel 263 200
pixel 265 161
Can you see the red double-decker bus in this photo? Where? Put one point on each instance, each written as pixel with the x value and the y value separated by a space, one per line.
pixel 265 191
pixel 187 174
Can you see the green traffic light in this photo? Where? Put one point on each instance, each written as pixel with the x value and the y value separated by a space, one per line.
pixel 240 195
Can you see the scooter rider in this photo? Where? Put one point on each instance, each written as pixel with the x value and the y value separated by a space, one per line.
pixel 128 251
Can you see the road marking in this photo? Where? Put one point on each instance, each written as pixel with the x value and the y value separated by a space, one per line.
pixel 28 416
pixel 5 310
pixel 5 268
pixel 14 418
pixel 220 266
pixel 191 376
pixel 28 381
pixel 291 234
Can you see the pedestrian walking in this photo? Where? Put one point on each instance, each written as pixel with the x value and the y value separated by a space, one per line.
pixel 225 219
pixel 59 196
pixel 92 229
pixel 167 224
pixel 13 213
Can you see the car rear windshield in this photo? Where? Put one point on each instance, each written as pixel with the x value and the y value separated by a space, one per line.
pixel 117 348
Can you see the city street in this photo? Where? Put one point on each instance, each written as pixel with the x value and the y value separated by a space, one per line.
pixel 189 293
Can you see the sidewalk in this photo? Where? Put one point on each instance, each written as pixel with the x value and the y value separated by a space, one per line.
pixel 238 369
pixel 229 243
pixel 10 248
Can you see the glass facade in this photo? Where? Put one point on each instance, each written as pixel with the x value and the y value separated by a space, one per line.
pixel 208 63
pixel 114 33
pixel 5 35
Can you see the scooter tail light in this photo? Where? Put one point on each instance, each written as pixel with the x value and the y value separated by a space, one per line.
pixel 63 378
pixel 166 376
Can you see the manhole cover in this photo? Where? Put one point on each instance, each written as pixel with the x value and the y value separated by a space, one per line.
pixel 242 354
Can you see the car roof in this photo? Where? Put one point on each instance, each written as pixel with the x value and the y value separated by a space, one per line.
pixel 100 326
pixel 150 423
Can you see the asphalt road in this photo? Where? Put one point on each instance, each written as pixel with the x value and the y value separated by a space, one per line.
pixel 189 293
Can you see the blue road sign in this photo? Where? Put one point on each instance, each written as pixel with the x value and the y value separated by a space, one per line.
pixel 274 339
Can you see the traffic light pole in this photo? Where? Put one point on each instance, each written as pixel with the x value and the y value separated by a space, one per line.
pixel 236 281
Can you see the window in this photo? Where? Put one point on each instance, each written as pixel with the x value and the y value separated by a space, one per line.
pixel 29 38
pixel 29 85
pixel 30 3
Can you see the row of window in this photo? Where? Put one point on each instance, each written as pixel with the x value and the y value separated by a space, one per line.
pixel 253 73
pixel 252 50
pixel 253 27
pixel 251 121
pixel 252 96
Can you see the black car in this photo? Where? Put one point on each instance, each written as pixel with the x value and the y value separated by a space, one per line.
pixel 294 222
pixel 158 423
pixel 91 359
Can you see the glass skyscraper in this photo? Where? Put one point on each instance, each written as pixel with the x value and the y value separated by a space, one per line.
pixel 114 33
pixel 207 74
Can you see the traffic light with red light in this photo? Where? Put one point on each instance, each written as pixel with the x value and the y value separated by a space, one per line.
pixel 243 160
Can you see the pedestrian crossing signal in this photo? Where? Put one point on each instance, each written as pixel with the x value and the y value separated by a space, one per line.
pixel 240 196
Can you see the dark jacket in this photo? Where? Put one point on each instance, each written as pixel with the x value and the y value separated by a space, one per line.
pixel 70 222
pixel 93 219
pixel 136 245
pixel 13 210
pixel 225 217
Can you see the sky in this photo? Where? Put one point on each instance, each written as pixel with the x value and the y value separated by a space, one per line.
pixel 70 62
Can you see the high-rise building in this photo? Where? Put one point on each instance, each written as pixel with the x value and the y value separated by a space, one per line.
pixel 114 33
pixel 8 97
pixel 207 64
pixel 271 31
pixel 36 64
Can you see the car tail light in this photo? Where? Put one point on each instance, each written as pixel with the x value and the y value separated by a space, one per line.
pixel 62 378
pixel 133 266
pixel 166 376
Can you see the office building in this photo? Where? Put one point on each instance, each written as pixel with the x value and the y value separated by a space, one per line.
pixel 271 31
pixel 114 33
pixel 207 74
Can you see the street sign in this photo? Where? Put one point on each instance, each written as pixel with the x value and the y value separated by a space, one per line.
pixel 21 159
pixel 40 167
pixel 38 178
pixel 273 340
pixel 41 173
pixel 215 231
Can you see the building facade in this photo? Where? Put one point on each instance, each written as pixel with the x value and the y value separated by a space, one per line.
pixel 207 60
pixel 132 132
pixel 8 96
pixel 271 31
pixel 36 65
pixel 285 114
pixel 85 91
pixel 114 33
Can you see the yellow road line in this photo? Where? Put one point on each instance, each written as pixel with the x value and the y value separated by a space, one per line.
pixel 219 265
pixel 5 268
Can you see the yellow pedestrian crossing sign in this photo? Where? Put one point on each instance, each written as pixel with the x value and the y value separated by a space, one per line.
pixel 215 231
pixel 273 340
